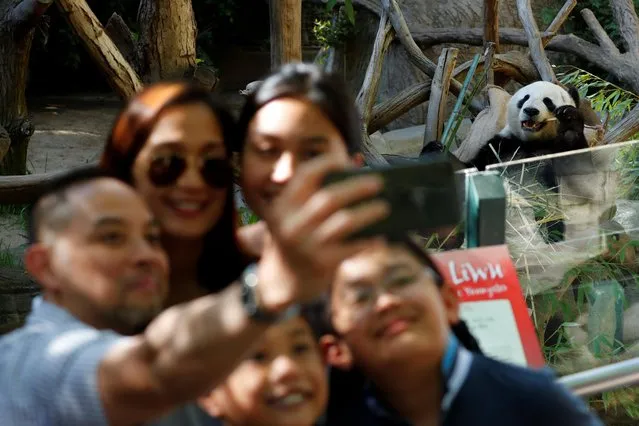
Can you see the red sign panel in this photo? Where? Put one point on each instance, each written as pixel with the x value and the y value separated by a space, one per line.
pixel 492 303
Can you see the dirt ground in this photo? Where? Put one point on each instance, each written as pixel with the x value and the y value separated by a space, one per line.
pixel 70 131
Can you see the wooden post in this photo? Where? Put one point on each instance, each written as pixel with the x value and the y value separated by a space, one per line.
pixel 286 32
pixel 491 23
pixel 439 94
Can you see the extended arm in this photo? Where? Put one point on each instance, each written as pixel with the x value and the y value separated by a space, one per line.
pixel 184 352
pixel 191 347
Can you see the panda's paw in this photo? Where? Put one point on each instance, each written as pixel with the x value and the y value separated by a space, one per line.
pixel 432 146
pixel 570 117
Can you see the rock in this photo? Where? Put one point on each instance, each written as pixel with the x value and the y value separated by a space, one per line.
pixel 380 144
pixel 406 141
pixel 628 216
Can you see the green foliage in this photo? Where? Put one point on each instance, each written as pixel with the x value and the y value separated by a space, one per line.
pixel 605 97
pixel 576 25
pixel 476 83
pixel 247 216
pixel 615 102
pixel 334 27
pixel 18 212
pixel 348 8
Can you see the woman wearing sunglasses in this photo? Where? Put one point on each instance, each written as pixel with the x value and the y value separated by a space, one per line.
pixel 172 143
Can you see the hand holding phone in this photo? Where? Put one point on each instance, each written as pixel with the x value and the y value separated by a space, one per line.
pixel 422 195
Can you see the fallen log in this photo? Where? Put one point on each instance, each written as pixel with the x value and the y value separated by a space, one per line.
pixel 25 189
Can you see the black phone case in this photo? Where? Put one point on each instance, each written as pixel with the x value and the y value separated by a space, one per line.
pixel 423 196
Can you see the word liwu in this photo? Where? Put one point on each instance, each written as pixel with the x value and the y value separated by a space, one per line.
pixel 466 272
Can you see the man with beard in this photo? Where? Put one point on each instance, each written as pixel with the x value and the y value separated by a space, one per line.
pixel 96 253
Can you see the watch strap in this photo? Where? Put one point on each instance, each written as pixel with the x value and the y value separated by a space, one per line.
pixel 251 303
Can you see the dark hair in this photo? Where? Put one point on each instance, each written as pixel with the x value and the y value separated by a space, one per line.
pixel 318 313
pixel 50 208
pixel 309 82
pixel 221 261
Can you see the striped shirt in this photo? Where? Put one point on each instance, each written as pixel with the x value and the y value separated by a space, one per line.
pixel 49 370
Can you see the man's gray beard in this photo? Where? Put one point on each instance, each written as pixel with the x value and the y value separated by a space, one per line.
pixel 133 320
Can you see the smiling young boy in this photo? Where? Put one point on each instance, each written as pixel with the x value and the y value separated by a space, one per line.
pixel 405 360
pixel 282 382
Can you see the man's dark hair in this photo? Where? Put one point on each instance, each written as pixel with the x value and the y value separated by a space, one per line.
pixel 51 208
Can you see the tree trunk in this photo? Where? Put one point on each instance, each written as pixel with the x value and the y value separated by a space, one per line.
pixel 118 71
pixel 17 24
pixel 167 39
pixel 286 31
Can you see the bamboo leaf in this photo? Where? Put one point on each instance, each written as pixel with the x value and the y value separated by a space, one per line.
pixel 350 12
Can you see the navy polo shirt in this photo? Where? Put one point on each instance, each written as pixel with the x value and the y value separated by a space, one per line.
pixel 478 391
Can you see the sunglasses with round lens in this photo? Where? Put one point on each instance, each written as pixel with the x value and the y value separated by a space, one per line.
pixel 166 169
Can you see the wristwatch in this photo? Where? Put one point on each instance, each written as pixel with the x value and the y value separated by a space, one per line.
pixel 251 302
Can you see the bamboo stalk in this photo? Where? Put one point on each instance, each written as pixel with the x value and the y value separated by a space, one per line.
pixel 459 102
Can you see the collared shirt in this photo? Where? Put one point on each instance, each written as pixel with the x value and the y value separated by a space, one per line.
pixel 478 391
pixel 49 370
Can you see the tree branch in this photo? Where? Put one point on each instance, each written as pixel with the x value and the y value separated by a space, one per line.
pixel 474 36
pixel 561 17
pixel 534 41
pixel 626 128
pixel 415 54
pixel 119 72
pixel 491 23
pixel 387 111
pixel 489 57
pixel 597 30
pixel 25 15
pixel 439 94
pixel 626 17
pixel 368 92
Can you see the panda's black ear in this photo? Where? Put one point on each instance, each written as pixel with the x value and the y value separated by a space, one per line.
pixel 574 94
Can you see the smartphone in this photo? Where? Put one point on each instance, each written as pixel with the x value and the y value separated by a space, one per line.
pixel 423 196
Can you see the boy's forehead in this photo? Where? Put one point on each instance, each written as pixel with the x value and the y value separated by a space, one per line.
pixel 374 261
pixel 292 328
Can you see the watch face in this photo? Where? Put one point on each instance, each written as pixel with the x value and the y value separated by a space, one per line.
pixel 249 299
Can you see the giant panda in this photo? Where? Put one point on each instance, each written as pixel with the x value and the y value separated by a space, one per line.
pixel 541 118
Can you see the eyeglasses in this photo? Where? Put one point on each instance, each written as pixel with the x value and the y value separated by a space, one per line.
pixel 166 169
pixel 361 299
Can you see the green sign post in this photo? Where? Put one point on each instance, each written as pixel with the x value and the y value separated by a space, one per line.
pixel 485 209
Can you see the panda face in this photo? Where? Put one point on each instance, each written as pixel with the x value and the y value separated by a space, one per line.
pixel 531 111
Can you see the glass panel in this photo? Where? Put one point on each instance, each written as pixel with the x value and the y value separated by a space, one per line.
pixel 572 229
